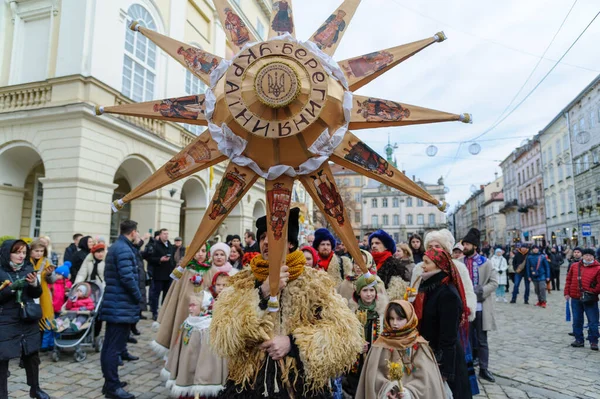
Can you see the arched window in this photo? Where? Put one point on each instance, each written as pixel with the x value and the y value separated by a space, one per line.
pixel 139 63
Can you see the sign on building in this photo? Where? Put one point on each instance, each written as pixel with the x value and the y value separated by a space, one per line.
pixel 586 230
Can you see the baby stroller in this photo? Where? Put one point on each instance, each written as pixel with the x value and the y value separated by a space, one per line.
pixel 82 337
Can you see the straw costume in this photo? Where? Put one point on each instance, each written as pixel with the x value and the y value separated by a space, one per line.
pixel 192 367
pixel 404 350
pixel 324 334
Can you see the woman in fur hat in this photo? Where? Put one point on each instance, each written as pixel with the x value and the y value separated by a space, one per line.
pixel 192 367
pixel 400 347
pixel 337 267
pixel 394 274
pixel 368 308
pixel 440 308
pixel 219 253
pixel 295 352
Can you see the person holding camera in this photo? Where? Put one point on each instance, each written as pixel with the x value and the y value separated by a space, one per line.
pixel 582 288
pixel 160 263
pixel 19 316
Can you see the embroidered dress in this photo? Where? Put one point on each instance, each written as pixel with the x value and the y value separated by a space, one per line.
pixel 192 367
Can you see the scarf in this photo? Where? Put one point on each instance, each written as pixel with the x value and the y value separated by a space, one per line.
pixel 369 310
pixel 225 268
pixel 473 263
pixel 16 267
pixel 95 275
pixel 295 262
pixel 324 263
pixel 380 257
pixel 404 338
pixel 45 299
pixel 198 267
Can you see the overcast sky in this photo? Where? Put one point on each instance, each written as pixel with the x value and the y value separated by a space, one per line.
pixel 492 48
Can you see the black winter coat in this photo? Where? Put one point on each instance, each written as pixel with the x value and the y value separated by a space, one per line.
pixel 161 271
pixel 517 260
pixel 439 325
pixel 79 256
pixel 70 253
pixel 122 293
pixel 394 267
pixel 16 336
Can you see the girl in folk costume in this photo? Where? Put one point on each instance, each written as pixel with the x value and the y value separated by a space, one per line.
pixel 393 273
pixel 312 338
pixel 45 273
pixel 440 308
pixel 311 256
pixel 337 267
pixel 501 266
pixel 188 281
pixel 369 309
pixel 192 367
pixel 400 363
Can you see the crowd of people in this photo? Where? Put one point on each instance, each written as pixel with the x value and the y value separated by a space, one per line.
pixel 415 325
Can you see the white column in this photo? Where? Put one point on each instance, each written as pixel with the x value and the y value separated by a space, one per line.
pixel 11 200
pixel 145 212
pixel 193 217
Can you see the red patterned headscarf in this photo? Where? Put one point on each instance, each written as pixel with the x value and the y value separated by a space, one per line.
pixel 443 260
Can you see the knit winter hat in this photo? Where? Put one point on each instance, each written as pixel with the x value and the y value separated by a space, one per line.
pixel 588 251
pixel 323 235
pixel 220 246
pixel 498 251
pixel 473 237
pixel 370 261
pixel 64 270
pixel 385 238
pixel 98 247
pixel 578 249
pixel 363 282
pixel 83 288
pixel 458 246
pixel 443 236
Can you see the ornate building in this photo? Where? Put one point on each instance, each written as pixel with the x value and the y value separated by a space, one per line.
pixel 60 165
pixel 584 123
pixel 511 199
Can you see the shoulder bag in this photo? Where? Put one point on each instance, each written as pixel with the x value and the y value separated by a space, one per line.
pixel 521 266
pixel 586 297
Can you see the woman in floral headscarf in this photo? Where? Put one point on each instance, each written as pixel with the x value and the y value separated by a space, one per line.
pixel 441 308
pixel 400 348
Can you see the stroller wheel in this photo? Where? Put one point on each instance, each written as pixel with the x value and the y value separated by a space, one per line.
pixel 55 356
pixel 80 356
pixel 98 342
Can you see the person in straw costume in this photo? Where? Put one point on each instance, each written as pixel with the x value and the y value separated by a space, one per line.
pixel 175 310
pixel 400 363
pixel 314 337
pixel 192 367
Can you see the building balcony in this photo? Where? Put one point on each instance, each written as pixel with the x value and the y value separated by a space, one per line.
pixel 77 89
pixel 508 206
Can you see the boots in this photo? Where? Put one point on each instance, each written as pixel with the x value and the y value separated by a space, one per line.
pixel 32 370
pixel 4 374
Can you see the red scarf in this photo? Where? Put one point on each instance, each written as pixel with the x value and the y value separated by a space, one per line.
pixel 324 263
pixel 380 257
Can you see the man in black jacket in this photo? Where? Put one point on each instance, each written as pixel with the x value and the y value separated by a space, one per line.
pixel 556 260
pixel 160 263
pixel 519 264
pixel 72 249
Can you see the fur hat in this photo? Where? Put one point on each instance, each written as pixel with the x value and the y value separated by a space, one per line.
pixel 220 246
pixel 293 226
pixel 588 251
pixel 323 235
pixel 473 237
pixel 98 247
pixel 64 270
pixel 385 238
pixel 443 236
pixel 458 246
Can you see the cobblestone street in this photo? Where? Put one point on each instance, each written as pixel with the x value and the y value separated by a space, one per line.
pixel 530 354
